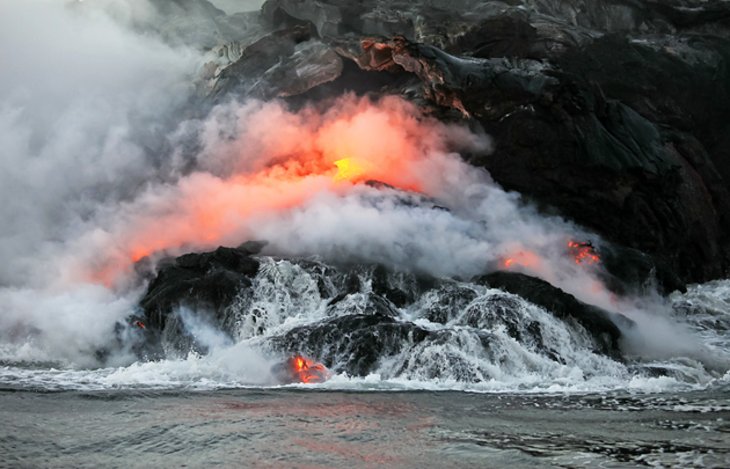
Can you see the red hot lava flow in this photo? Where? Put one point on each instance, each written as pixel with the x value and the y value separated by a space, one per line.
pixel 583 253
pixel 304 370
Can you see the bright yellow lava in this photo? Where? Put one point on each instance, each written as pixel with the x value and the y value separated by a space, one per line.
pixel 349 169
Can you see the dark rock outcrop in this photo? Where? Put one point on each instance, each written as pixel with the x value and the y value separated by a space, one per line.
pixel 353 343
pixel 356 313
pixel 601 324
pixel 208 281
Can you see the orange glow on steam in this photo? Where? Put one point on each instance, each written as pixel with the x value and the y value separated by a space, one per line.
pixel 285 160
pixel 524 258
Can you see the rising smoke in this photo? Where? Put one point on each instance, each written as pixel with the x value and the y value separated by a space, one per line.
pixel 84 105
pixel 84 108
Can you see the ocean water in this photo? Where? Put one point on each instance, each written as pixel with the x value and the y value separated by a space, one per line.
pixel 320 429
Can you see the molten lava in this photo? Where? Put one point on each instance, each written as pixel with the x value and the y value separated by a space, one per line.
pixel 304 370
pixel 350 169
pixel 523 258
pixel 583 253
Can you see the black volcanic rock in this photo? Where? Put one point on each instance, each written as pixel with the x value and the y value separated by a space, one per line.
pixel 208 281
pixel 363 314
pixel 353 343
pixel 601 324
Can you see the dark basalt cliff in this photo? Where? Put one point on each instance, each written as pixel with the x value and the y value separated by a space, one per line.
pixel 611 113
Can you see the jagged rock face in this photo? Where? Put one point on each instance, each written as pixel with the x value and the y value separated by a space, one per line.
pixel 552 25
pixel 292 61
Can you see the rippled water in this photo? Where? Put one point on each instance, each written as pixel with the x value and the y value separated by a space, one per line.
pixel 300 428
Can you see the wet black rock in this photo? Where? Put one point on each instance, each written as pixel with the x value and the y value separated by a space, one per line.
pixel 399 288
pixel 357 316
pixel 605 327
pixel 201 281
pixel 448 301
pixel 353 343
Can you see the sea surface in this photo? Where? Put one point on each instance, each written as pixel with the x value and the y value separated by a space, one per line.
pixel 295 427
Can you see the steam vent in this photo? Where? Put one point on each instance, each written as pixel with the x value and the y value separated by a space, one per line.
pixel 248 233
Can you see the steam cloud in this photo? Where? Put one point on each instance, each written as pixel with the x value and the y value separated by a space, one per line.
pixel 85 105
pixel 274 176
pixel 96 173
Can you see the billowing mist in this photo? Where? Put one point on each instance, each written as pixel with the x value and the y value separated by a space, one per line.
pixel 84 107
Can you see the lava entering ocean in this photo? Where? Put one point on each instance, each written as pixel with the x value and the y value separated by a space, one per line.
pixel 307 371
pixel 300 369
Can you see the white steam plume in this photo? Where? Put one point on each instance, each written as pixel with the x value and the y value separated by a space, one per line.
pixel 81 99
pixel 84 107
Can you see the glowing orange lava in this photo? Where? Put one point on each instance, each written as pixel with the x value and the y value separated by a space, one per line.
pixel 305 370
pixel 522 258
pixel 350 169
pixel 583 253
